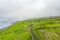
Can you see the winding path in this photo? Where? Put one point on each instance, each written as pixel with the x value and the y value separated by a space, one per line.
pixel 32 33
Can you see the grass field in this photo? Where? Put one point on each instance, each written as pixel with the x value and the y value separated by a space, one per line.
pixel 43 28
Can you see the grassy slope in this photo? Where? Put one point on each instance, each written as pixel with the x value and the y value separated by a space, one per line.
pixel 44 29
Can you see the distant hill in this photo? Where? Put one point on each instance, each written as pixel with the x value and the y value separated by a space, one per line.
pixel 43 28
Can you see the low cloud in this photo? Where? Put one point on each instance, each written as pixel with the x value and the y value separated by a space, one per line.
pixel 25 9
pixel 22 9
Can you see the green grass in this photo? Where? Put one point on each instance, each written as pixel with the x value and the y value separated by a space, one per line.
pixel 44 29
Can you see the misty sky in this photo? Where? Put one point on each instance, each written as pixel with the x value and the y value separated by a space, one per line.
pixel 13 10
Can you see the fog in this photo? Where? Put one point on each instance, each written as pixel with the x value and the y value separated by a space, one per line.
pixel 14 10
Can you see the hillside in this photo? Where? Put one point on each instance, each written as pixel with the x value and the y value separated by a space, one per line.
pixel 43 29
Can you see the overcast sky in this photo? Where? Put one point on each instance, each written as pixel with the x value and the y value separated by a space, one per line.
pixel 12 10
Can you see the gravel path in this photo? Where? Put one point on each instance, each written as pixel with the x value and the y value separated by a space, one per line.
pixel 32 33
